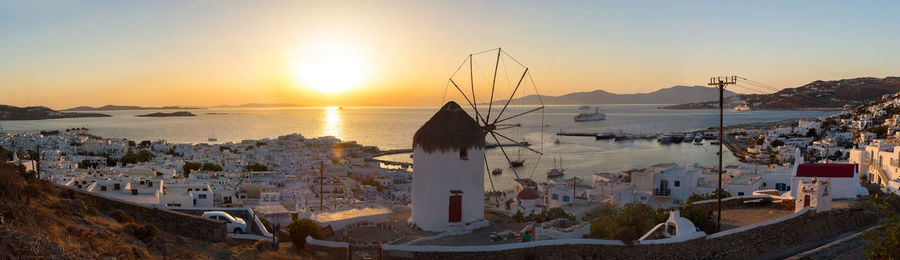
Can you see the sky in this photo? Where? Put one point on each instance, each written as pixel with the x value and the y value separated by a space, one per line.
pixel 63 54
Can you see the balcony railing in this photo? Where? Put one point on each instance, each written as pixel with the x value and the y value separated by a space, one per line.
pixel 662 192
pixel 895 163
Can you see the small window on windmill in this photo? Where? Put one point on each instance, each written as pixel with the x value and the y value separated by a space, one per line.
pixel 464 154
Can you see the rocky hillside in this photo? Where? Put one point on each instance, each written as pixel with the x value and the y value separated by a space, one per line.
pixel 117 108
pixel 672 95
pixel 819 94
pixel 39 220
pixel 39 112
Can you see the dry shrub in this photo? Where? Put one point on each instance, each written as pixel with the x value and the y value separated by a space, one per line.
pixel 185 254
pixel 144 233
pixel 11 183
pixel 120 216
pixel 263 245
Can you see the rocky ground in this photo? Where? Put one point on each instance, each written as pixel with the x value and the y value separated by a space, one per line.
pixel 41 220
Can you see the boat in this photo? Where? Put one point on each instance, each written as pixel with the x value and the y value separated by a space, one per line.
pixel 710 136
pixel 698 137
pixel 213 138
pixel 497 171
pixel 590 116
pixel 584 107
pixel 698 140
pixel 688 137
pixel 519 161
pixel 620 136
pixel 557 170
pixel 665 138
pixel 556 141
pixel 742 107
pixel 605 136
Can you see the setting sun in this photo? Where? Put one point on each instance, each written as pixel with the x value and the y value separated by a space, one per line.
pixel 330 68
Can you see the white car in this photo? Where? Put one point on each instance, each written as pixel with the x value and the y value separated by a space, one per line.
pixel 236 225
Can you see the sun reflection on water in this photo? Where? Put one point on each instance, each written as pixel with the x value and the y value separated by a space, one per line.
pixel 331 123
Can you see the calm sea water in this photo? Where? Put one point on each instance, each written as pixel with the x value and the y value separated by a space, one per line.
pixel 393 128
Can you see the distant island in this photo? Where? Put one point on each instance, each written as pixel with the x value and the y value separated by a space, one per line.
pixel 39 113
pixel 672 95
pixel 256 105
pixel 117 108
pixel 161 114
pixel 817 95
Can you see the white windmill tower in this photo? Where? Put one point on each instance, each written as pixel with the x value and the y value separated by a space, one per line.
pixel 449 152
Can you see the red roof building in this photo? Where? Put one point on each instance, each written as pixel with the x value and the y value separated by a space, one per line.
pixel 826 170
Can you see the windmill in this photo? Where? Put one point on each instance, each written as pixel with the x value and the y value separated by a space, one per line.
pixel 490 92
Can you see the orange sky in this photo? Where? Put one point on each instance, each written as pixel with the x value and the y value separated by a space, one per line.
pixel 233 52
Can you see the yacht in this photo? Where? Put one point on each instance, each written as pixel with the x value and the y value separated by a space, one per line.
pixel 497 171
pixel 699 136
pixel 688 137
pixel 557 170
pixel 620 136
pixel 590 116
pixel 665 138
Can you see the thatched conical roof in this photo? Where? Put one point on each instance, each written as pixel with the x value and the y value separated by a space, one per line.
pixel 450 129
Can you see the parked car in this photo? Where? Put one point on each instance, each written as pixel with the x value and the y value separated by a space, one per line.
pixel 235 225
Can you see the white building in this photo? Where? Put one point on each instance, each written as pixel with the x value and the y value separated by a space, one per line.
pixel 448 178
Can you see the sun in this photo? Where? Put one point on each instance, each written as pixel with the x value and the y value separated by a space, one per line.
pixel 330 68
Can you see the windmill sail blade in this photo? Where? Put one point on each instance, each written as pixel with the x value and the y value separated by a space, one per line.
pixel 467 100
pixel 493 83
pixel 511 96
pixel 504 154
pixel 488 168
pixel 521 114
pixel 519 144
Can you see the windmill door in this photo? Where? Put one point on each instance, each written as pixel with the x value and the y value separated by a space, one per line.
pixel 455 208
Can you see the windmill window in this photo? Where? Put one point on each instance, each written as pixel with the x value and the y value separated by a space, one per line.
pixel 464 154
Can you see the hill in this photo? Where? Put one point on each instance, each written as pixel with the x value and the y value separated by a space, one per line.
pixel 38 113
pixel 672 95
pixel 161 114
pixel 41 220
pixel 817 95
pixel 117 108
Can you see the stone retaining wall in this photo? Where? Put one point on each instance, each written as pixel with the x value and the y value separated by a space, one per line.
pixel 329 250
pixel 802 228
pixel 167 220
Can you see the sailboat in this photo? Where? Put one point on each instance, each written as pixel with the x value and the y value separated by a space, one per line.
pixel 213 138
pixel 557 170
pixel 519 161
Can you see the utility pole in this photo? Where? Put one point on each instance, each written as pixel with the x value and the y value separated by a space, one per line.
pixel 720 83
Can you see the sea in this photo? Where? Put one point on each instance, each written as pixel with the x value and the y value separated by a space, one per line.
pixel 394 127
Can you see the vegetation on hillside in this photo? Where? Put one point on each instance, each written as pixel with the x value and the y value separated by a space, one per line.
pixel 627 224
pixel 884 243
pixel 41 220
pixel 302 228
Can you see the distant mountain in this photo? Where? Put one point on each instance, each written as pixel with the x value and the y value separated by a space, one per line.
pixel 160 114
pixel 818 95
pixel 38 113
pixel 116 108
pixel 256 105
pixel 672 95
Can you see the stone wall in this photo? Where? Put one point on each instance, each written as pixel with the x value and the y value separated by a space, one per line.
pixel 167 220
pixel 329 250
pixel 802 228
